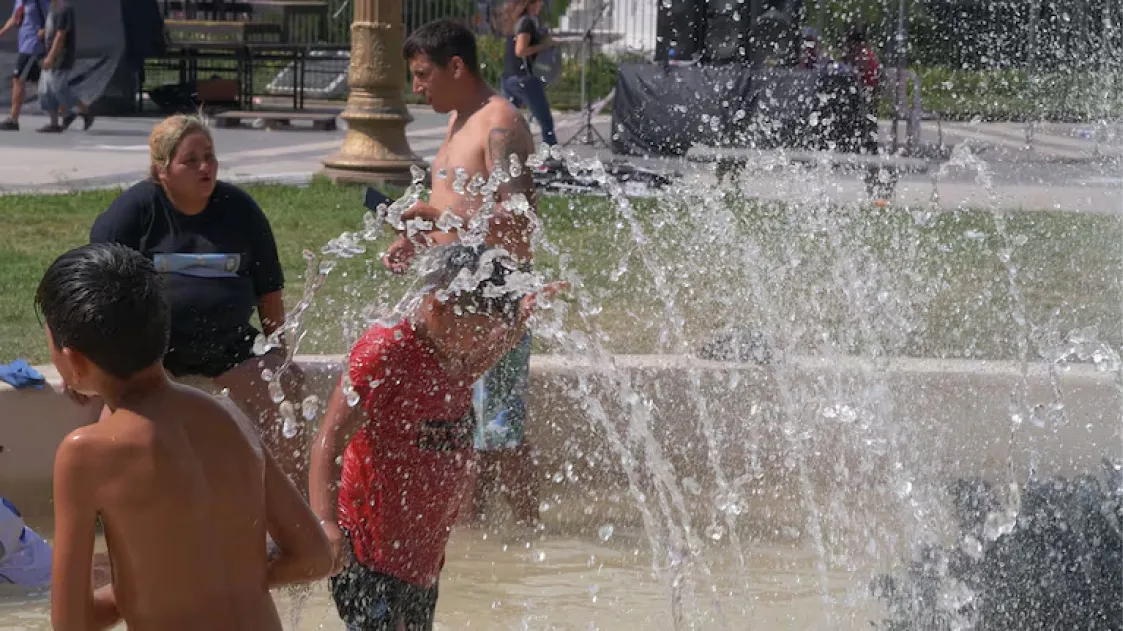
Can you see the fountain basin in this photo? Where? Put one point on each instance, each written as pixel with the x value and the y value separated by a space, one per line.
pixel 767 434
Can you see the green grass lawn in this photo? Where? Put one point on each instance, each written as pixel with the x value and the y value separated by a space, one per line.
pixel 841 278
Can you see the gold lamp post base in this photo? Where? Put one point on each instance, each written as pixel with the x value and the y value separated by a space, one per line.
pixel 375 149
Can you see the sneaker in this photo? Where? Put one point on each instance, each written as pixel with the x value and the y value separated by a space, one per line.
pixel 50 129
pixel 9 125
pixel 68 120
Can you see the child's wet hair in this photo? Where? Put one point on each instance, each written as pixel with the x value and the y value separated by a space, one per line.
pixel 107 302
pixel 473 279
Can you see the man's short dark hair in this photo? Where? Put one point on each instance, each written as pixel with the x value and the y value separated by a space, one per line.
pixel 107 302
pixel 440 41
pixel 475 279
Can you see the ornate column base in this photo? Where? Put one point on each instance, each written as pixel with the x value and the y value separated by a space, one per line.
pixel 375 149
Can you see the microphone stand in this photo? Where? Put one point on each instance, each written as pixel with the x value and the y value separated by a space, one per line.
pixel 587 131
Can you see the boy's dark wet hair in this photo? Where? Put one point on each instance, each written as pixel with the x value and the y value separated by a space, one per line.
pixel 440 41
pixel 488 269
pixel 107 302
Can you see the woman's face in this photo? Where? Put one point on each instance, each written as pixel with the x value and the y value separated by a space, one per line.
pixel 534 8
pixel 193 169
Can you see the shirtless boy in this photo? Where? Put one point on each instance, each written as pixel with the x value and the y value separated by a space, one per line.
pixel 485 133
pixel 389 504
pixel 184 489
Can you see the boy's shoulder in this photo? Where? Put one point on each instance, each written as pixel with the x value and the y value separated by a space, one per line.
pixel 382 349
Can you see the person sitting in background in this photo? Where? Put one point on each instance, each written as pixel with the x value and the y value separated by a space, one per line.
pixel 25 557
pixel 214 248
pixel 526 38
pixel 182 484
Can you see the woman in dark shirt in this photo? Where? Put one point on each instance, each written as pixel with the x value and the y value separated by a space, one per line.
pixel 526 38
pixel 215 250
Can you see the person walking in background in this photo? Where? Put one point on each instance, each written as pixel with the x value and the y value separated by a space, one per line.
pixel 526 38
pixel 30 16
pixel 55 94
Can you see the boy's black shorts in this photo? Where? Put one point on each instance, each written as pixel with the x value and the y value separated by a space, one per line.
pixel 372 601
pixel 26 68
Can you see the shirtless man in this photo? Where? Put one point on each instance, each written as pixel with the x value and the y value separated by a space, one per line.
pixel 184 489
pixel 486 135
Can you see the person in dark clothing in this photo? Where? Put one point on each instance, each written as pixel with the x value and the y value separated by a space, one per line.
pixel 526 38
pixel 215 251
pixel 55 93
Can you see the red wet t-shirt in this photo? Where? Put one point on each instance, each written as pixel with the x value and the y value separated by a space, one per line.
pixel 406 472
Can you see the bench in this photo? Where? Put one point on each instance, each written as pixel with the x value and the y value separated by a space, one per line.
pixel 882 171
pixel 184 31
pixel 321 120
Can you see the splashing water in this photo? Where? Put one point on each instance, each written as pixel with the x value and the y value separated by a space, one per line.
pixel 805 441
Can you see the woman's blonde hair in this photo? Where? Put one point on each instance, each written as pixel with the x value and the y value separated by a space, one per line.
pixel 166 137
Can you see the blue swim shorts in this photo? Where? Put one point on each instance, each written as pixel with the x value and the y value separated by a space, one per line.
pixel 500 400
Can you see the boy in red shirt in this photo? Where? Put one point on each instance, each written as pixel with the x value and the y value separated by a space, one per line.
pixel 405 468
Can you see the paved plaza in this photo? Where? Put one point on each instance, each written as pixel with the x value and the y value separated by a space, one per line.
pixel 1076 167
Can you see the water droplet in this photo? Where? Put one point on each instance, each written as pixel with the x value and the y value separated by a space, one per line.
pixel 515 167
pixel 266 375
pixel 544 507
pixel 691 485
pixel 352 398
pixel 442 174
pixel 417 174
pixel 260 345
pixel 715 531
pixel 449 221
pixel 476 184
pixel 398 334
pixel 460 180
pixel 539 556
pixel 310 407
pixel 276 392
pixel 605 532
pixel 972 547
pixel 289 427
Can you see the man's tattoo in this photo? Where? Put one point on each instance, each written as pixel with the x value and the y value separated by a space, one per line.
pixel 502 143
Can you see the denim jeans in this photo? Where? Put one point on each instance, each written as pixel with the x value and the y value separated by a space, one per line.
pixel 531 92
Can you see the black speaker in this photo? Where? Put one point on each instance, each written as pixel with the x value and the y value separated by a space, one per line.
pixel 678 30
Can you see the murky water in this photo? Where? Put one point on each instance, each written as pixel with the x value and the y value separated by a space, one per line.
pixel 504 581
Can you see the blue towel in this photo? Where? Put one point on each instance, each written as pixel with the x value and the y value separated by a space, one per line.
pixel 20 374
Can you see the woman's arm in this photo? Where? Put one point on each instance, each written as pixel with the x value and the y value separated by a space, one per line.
pixel 524 49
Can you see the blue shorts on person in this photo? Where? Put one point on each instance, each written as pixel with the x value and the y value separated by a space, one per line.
pixel 500 400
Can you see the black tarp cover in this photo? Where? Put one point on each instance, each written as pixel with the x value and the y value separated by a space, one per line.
pixel 663 110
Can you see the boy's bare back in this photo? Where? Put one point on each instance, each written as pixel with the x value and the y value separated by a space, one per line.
pixel 180 482
pixel 182 485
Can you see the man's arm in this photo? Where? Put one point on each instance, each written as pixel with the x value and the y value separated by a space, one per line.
pixel 73 605
pixel 509 136
pixel 14 21
pixel 56 46
pixel 340 423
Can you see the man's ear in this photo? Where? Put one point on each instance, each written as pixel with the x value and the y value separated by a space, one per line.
pixel 456 64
